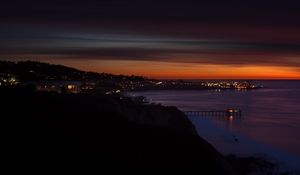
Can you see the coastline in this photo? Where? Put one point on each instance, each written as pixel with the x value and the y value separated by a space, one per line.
pixel 228 142
pixel 112 129
pixel 231 143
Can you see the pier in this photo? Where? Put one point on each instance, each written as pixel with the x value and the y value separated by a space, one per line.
pixel 217 113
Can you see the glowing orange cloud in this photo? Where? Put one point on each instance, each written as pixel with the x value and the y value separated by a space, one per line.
pixel 167 70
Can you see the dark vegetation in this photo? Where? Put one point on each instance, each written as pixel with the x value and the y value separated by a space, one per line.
pixel 103 130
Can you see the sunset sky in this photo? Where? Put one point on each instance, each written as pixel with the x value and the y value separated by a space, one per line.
pixel 209 39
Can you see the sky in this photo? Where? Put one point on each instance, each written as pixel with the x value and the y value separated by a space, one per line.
pixel 207 39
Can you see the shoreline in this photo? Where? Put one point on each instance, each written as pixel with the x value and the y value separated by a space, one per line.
pixel 231 143
pixel 192 88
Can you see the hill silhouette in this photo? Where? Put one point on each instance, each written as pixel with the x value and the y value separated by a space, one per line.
pixel 103 130
pixel 38 71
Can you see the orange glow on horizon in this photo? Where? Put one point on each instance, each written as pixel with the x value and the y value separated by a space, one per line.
pixel 177 70
pixel 169 70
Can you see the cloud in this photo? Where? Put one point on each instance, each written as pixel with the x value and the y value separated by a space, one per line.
pixel 234 33
pixel 244 56
pixel 235 11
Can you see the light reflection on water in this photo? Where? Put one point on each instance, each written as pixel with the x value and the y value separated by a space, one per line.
pixel 270 115
pixel 229 122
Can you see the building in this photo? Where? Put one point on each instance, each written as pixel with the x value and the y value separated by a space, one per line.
pixel 58 86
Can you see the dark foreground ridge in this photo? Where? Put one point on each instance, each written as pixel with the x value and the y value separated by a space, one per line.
pixel 103 130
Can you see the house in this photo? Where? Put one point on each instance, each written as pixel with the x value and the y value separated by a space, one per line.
pixel 57 86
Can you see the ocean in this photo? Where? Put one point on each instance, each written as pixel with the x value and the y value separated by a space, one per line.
pixel 270 116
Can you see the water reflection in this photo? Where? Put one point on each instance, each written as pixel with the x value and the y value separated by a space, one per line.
pixel 227 120
pixel 270 115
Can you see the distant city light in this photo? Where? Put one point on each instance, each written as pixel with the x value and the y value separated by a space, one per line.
pixel 71 87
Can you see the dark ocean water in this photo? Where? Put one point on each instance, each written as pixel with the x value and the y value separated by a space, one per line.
pixel 270 115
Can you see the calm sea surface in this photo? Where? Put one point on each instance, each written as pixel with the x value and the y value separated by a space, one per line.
pixel 270 115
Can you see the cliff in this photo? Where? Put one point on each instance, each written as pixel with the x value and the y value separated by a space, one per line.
pixel 104 130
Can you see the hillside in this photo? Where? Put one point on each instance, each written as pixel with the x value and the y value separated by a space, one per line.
pixel 103 130
pixel 38 71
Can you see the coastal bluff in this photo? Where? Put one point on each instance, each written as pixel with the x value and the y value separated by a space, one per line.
pixel 104 130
